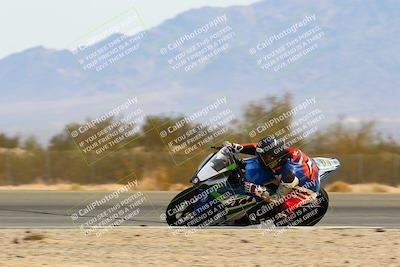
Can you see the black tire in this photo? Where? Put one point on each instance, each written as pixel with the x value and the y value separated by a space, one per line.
pixel 172 217
pixel 252 217
pixel 185 217
pixel 319 207
pixel 321 210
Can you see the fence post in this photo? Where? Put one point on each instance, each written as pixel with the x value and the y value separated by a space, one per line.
pixel 92 168
pixel 395 174
pixel 360 168
pixel 47 166
pixel 9 179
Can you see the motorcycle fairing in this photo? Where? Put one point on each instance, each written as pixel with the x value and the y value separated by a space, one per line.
pixel 217 168
pixel 215 165
pixel 326 166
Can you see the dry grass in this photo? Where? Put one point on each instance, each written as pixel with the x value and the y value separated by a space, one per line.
pixel 375 188
pixel 146 184
pixel 340 186
pixel 34 237
pixel 160 183
pixel 62 187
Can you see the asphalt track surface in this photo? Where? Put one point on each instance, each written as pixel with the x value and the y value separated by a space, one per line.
pixel 50 209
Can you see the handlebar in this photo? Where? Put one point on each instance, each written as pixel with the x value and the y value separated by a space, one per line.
pixel 235 159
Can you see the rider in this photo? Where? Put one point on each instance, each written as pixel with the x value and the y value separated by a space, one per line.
pixel 295 174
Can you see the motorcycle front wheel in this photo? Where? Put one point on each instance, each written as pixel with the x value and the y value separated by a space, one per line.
pixel 182 211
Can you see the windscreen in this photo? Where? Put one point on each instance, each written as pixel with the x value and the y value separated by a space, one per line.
pixel 220 160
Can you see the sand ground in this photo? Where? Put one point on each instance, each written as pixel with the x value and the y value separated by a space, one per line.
pixel 206 247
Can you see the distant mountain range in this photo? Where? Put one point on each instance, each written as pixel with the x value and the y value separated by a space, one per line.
pixel 353 72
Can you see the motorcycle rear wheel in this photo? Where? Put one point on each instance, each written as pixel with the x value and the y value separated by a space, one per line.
pixel 309 215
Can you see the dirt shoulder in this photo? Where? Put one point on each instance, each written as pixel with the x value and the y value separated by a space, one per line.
pixel 207 247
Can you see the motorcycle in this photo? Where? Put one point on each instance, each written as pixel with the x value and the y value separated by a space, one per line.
pixel 217 196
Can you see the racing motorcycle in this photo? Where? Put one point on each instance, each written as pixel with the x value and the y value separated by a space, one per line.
pixel 217 196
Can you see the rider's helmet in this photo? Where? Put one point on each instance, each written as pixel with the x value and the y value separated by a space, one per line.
pixel 271 152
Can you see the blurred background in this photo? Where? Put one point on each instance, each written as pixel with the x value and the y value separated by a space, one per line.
pixel 353 74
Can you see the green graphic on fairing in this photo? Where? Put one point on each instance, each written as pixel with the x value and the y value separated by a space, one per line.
pixel 231 167
pixel 239 203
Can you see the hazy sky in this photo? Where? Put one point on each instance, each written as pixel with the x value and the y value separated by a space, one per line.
pixel 56 23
